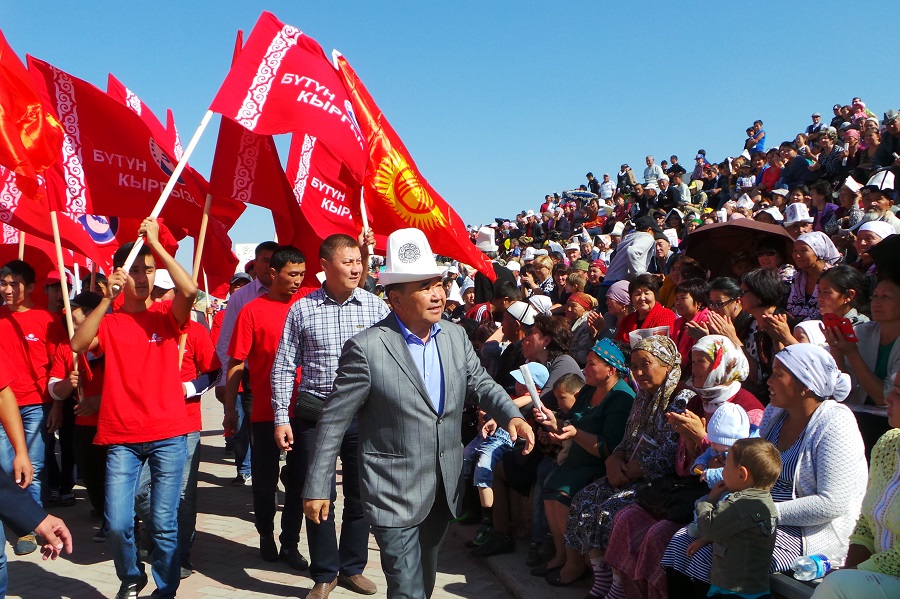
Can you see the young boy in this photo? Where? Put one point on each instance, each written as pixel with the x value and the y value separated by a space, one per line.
pixel 741 526
pixel 255 339
pixel 142 411
pixel 566 389
pixel 485 450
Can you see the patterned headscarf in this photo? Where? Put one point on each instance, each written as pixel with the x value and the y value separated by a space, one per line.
pixel 607 351
pixel 814 367
pixel 647 408
pixel 728 368
pixel 822 246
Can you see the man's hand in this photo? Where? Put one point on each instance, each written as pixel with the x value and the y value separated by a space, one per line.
pixel 229 422
pixel 56 537
pixel 567 432
pixel 74 377
pixel 115 284
pixel 284 437
pixel 366 240
pixel 149 231
pixel 519 428
pixel 23 471
pixel 54 417
pixel 488 428
pixel 88 406
pixel 316 509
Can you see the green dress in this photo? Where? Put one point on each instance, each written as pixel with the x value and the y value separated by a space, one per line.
pixel 607 421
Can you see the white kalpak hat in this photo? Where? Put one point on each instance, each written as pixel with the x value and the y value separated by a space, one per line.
pixel 485 240
pixel 163 279
pixel 796 213
pixel 409 258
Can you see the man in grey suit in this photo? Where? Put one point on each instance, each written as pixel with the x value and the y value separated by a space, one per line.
pixel 406 379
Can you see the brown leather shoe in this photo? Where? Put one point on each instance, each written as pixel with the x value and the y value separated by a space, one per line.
pixel 321 590
pixel 358 584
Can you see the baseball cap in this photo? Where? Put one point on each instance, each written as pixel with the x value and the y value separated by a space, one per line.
pixel 539 374
pixel 163 279
pixel 241 276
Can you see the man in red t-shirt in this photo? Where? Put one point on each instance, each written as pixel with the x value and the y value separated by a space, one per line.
pixel 30 336
pixel 255 339
pixel 142 412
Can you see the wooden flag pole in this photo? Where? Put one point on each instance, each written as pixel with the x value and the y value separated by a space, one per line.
pixel 65 285
pixel 365 218
pixel 21 245
pixel 76 284
pixel 195 275
pixel 167 190
pixel 206 291
pixel 93 277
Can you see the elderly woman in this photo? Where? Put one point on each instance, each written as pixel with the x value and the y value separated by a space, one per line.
pixel 618 306
pixel 868 236
pixel 647 312
pixel 821 208
pixel 823 472
pixel 872 568
pixel 828 162
pixel 871 139
pixel 578 308
pixel 595 427
pixel 638 539
pixel 872 360
pixel 647 451
pixel 814 253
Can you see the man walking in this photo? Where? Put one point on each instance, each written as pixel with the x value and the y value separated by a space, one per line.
pixel 407 378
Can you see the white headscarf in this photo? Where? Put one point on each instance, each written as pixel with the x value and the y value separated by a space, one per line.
pixel 813 331
pixel 822 246
pixel 816 369
pixel 879 227
pixel 728 367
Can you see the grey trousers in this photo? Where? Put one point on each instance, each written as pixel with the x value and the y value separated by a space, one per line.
pixel 409 556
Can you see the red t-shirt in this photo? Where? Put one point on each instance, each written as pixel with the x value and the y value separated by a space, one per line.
pixel 7 374
pixel 199 357
pixel 30 339
pixel 216 328
pixel 257 332
pixel 91 377
pixel 143 399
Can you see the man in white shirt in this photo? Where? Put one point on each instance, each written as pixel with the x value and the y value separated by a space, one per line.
pixel 607 189
pixel 652 173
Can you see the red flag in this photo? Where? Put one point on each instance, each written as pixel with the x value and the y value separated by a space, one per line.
pixel 282 82
pixel 33 218
pixel 397 195
pixel 219 260
pixel 111 232
pixel 30 136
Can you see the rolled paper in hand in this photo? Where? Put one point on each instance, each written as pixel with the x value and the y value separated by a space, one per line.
pixel 532 390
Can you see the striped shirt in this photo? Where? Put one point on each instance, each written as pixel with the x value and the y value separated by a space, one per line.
pixel 314 334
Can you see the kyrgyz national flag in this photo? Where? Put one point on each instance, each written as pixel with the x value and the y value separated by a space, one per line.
pixel 24 214
pixel 282 82
pixel 30 136
pixel 397 195
pixel 111 164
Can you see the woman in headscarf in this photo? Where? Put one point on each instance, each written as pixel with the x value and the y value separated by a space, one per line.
pixel 647 451
pixel 595 426
pixel 579 307
pixel 618 306
pixel 814 253
pixel 638 539
pixel 823 473
pixel 869 235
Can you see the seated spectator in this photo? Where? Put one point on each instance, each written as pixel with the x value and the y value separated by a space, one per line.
pixel 796 169
pixel 872 567
pixel 618 306
pixel 871 139
pixel 797 220
pixel 596 426
pixel 691 306
pixel 849 212
pixel 869 235
pixel 655 367
pixel 647 312
pixel 814 253
pixel 822 209
pixel 828 164
pixel 683 268
pixel 819 492
pixel 558 294
pixel 890 142
pixel 772 171
pixel 872 360
pixel 579 307
pixel 878 198
pixel 770 254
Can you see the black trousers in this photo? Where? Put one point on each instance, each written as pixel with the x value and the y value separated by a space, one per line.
pixel 91 464
pixel 266 468
pixel 60 476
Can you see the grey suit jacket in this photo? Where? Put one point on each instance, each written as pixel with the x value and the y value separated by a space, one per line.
pixel 404 445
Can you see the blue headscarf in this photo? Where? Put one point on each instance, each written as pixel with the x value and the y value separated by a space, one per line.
pixel 607 351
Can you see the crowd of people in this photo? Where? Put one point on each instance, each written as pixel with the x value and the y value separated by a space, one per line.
pixel 697 422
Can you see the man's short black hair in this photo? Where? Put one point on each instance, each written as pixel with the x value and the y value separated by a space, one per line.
pixel 98 277
pixel 589 175
pixel 122 253
pixel 18 268
pixel 333 243
pixel 265 246
pixel 765 284
pixel 284 255
pixel 503 288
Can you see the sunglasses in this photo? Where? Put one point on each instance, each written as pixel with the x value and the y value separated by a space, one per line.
pixel 769 253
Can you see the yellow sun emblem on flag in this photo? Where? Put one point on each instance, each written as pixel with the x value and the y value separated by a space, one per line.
pixel 398 183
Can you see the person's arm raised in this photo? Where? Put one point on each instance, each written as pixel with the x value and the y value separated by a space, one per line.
pixel 186 290
pixel 85 337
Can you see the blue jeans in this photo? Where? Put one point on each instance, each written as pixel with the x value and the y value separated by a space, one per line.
pixel 187 506
pixel 240 441
pixel 33 418
pixel 123 472
pixel 482 455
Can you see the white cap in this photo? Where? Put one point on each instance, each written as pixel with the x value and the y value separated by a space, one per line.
pixel 745 202
pixel 513 266
pixel 529 213
pixel 485 240
pixel 796 213
pixel 467 284
pixel 455 295
pixel 781 192
pixel 573 246
pixel 523 312
pixel 852 184
pixel 618 229
pixel 529 254
pixel 774 212
pixel 163 279
pixel 409 258
pixel 881 181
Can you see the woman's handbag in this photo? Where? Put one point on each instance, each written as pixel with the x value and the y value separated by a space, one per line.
pixel 671 497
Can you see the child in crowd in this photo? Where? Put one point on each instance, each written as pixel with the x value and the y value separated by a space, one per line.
pixel 485 450
pixel 742 525
pixel 566 389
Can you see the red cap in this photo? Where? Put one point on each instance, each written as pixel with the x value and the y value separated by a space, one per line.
pixel 601 264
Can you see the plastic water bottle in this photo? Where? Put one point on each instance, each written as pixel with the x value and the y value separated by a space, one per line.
pixel 811 567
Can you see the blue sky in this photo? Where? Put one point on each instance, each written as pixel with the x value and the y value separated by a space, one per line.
pixel 502 102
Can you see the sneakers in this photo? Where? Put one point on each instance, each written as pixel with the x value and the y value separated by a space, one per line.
pixel 267 549
pixel 241 480
pixel 292 557
pixel 67 499
pixel 481 537
pixel 130 590
pixel 100 535
pixel 26 545
pixel 496 545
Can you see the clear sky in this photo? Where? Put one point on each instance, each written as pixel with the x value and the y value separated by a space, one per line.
pixel 502 102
